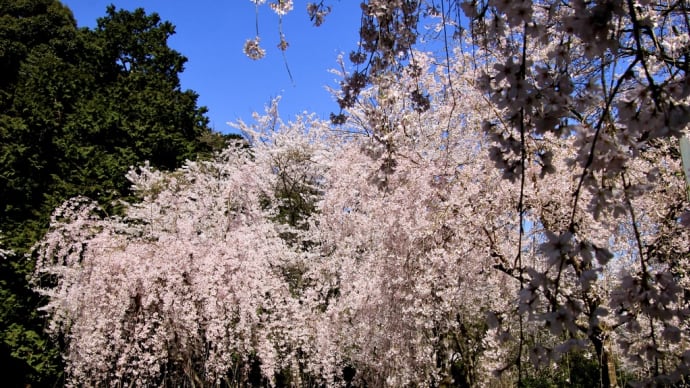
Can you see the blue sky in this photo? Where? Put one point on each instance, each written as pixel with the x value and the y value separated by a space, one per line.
pixel 211 34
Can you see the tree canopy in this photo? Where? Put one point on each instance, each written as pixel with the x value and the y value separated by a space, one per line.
pixel 80 106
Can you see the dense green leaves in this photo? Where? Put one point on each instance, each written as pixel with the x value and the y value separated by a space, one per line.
pixel 80 106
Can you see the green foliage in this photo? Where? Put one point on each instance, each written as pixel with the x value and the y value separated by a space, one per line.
pixel 78 107
pixel 37 40
pixel 81 106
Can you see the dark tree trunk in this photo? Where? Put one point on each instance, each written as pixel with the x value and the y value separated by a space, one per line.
pixel 607 368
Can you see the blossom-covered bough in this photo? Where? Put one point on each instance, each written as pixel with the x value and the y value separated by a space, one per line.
pixel 613 76
pixel 490 215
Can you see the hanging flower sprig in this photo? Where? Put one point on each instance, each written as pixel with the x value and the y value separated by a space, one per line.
pixel 253 50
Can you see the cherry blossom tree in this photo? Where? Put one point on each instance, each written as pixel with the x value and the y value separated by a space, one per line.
pixel 186 287
pixel 405 263
pixel 613 76
pixel 609 77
